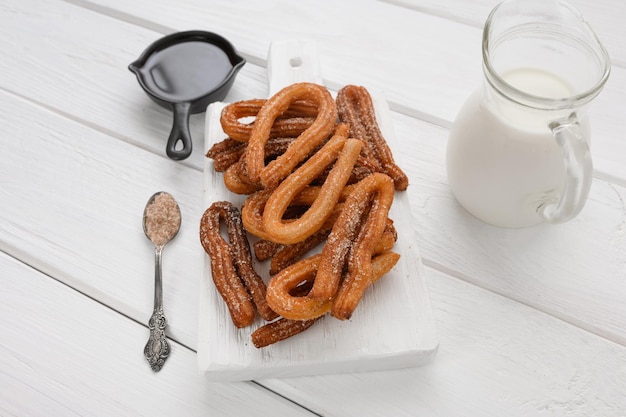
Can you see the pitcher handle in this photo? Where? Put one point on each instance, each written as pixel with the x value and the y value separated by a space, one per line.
pixel 579 172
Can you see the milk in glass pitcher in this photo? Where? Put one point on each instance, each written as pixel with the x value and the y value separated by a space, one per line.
pixel 518 152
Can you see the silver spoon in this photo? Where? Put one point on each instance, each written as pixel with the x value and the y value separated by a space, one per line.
pixel 161 222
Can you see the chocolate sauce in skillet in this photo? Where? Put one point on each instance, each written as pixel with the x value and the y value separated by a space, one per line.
pixel 186 70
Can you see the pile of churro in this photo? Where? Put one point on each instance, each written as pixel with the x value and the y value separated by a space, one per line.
pixel 317 171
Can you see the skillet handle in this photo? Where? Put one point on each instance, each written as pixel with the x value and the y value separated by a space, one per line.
pixel 180 133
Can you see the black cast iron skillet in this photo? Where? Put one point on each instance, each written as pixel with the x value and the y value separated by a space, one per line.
pixel 185 72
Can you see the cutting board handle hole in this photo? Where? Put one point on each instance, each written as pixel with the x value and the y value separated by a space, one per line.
pixel 295 62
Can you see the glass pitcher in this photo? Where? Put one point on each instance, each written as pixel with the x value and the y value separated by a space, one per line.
pixel 518 152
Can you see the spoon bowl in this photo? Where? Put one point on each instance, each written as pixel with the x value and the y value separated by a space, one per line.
pixel 161 219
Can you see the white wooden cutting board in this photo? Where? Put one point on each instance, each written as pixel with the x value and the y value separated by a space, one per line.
pixel 393 326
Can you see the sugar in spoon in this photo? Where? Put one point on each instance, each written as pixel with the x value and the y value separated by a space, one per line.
pixel 161 222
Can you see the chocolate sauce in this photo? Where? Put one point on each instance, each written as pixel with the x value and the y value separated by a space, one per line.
pixel 186 70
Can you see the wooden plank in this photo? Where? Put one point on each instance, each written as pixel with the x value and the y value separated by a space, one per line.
pixel 496 358
pixel 63 353
pixel 606 17
pixel 351 52
pixel 426 65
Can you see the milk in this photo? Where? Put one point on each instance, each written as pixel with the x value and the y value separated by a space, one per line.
pixel 503 161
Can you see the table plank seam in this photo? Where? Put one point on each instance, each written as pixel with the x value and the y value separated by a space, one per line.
pixel 580 324
pixel 260 384
pixel 96 127
pixel 121 16
pixel 143 23
pixel 458 19
pixel 87 295
pixel 425 10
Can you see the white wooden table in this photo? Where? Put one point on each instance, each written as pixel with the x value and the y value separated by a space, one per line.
pixel 530 322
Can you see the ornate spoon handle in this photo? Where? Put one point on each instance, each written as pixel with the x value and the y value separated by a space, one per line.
pixel 157 349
